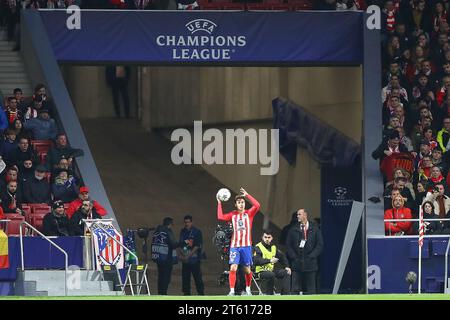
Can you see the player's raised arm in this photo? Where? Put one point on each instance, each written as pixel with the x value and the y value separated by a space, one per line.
pixel 255 204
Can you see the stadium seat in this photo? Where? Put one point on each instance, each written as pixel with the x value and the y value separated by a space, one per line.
pixel 37 221
pixel 42 156
pixel 38 208
pixel 41 145
pixel 273 1
pixel 13 226
pixel 300 4
pixel 211 6
pixel 233 6
pixel 282 7
pixel 259 6
pixel 26 208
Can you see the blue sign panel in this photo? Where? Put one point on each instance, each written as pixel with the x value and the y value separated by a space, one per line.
pixel 207 37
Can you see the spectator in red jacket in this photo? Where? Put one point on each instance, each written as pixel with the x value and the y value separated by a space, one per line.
pixel 398 211
pixel 84 196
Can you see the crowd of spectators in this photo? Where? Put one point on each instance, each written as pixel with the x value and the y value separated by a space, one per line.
pixel 37 167
pixel 414 157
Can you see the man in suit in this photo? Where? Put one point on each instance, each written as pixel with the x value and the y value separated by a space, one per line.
pixel 304 245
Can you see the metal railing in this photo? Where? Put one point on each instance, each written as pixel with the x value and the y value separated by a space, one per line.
pixel 6 224
pixel 51 242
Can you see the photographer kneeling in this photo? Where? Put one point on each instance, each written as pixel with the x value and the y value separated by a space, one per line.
pixel 265 257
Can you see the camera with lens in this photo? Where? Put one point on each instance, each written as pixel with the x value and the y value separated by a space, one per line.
pixel 222 239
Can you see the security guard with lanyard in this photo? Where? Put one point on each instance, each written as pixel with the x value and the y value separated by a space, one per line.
pixel 266 255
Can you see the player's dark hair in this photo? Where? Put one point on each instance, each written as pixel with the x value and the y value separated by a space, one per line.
pixel 167 221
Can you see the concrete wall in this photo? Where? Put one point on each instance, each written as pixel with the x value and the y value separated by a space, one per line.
pixel 90 94
pixel 176 96
pixel 231 97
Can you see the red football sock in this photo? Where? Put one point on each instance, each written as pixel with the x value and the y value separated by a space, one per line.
pixel 248 279
pixel 232 279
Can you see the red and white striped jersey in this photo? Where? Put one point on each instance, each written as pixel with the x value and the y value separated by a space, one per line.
pixel 242 223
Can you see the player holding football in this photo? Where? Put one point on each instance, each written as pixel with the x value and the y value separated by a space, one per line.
pixel 241 241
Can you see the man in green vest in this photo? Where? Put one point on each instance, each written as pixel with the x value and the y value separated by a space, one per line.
pixel 266 255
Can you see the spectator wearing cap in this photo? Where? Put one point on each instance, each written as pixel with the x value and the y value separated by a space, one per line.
pixel 23 151
pixel 64 187
pixel 56 222
pixel 60 150
pixel 37 189
pixel 43 127
pixel 84 196
pixel 389 146
pixel 86 211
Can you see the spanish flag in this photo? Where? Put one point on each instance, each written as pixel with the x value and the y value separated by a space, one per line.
pixel 4 260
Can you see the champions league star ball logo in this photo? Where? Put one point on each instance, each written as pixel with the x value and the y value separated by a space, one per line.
pixel 340 192
pixel 343 197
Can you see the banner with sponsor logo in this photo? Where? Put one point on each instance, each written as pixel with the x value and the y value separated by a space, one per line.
pixel 106 250
pixel 206 37
pixel 340 186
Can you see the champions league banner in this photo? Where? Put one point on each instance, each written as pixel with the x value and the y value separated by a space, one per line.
pixel 340 187
pixel 205 37
pixel 106 250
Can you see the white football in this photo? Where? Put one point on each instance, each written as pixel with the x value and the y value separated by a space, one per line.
pixel 223 194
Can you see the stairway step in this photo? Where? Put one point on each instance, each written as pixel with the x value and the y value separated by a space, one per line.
pixel 21 81
pixel 10 63
pixel 13 75
pixel 12 69
pixel 55 275
pixel 10 58
pixel 51 286
pixel 87 293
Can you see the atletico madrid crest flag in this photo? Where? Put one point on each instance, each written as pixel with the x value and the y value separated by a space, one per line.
pixel 4 260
